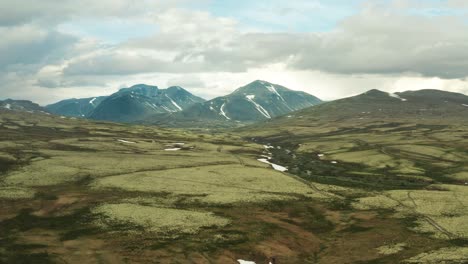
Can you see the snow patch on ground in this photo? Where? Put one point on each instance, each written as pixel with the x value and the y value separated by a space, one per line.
pixel 172 149
pixel 174 103
pixel 125 141
pixel 8 106
pixel 245 261
pixel 259 107
pixel 465 105
pixel 275 166
pixel 223 113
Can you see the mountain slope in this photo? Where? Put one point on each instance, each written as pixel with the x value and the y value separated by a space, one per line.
pixel 375 104
pixel 75 107
pixel 256 101
pixel 140 101
pixel 21 105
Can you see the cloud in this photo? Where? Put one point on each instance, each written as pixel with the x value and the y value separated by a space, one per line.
pixel 375 45
pixel 381 39
pixel 28 44
pixel 189 81
pixel 376 42
pixel 52 11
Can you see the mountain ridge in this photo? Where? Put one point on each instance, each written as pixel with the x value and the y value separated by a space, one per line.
pixel 256 101
pixel 139 101
pixel 379 105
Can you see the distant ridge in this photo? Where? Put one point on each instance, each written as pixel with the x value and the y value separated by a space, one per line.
pixel 379 105
pixel 21 105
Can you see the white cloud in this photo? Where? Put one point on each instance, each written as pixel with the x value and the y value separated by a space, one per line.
pixel 384 46
pixel 52 11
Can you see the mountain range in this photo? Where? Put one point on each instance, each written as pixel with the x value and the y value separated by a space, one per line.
pixel 259 100
pixel 256 101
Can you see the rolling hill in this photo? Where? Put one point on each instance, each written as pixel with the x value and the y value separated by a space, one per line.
pixel 376 104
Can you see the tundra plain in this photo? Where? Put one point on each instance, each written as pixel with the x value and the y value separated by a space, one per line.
pixel 76 191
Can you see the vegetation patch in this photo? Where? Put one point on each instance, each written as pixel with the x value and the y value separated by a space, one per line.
pixel 391 249
pixel 217 184
pixel 455 255
pixel 441 212
pixel 16 193
pixel 159 220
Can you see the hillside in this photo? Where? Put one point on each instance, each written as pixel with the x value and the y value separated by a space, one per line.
pixel 75 107
pixel 375 105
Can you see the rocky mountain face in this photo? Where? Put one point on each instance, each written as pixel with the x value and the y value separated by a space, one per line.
pixel 259 100
pixel 140 101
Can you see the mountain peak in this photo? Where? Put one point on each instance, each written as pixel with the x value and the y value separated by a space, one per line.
pixel 143 86
pixel 376 92
pixel 141 89
pixel 176 88
pixel 260 87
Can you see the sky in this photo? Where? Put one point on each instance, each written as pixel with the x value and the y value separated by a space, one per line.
pixel 58 49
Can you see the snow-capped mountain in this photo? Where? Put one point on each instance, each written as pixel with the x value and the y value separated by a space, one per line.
pixel 140 101
pixel 259 100
pixel 20 105
pixel 75 107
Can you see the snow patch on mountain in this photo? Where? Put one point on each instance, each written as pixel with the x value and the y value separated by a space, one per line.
pixel 151 105
pixel 272 89
pixel 174 103
pixel 8 106
pixel 465 105
pixel 223 113
pixel 92 101
pixel 397 96
pixel 167 109
pixel 258 106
